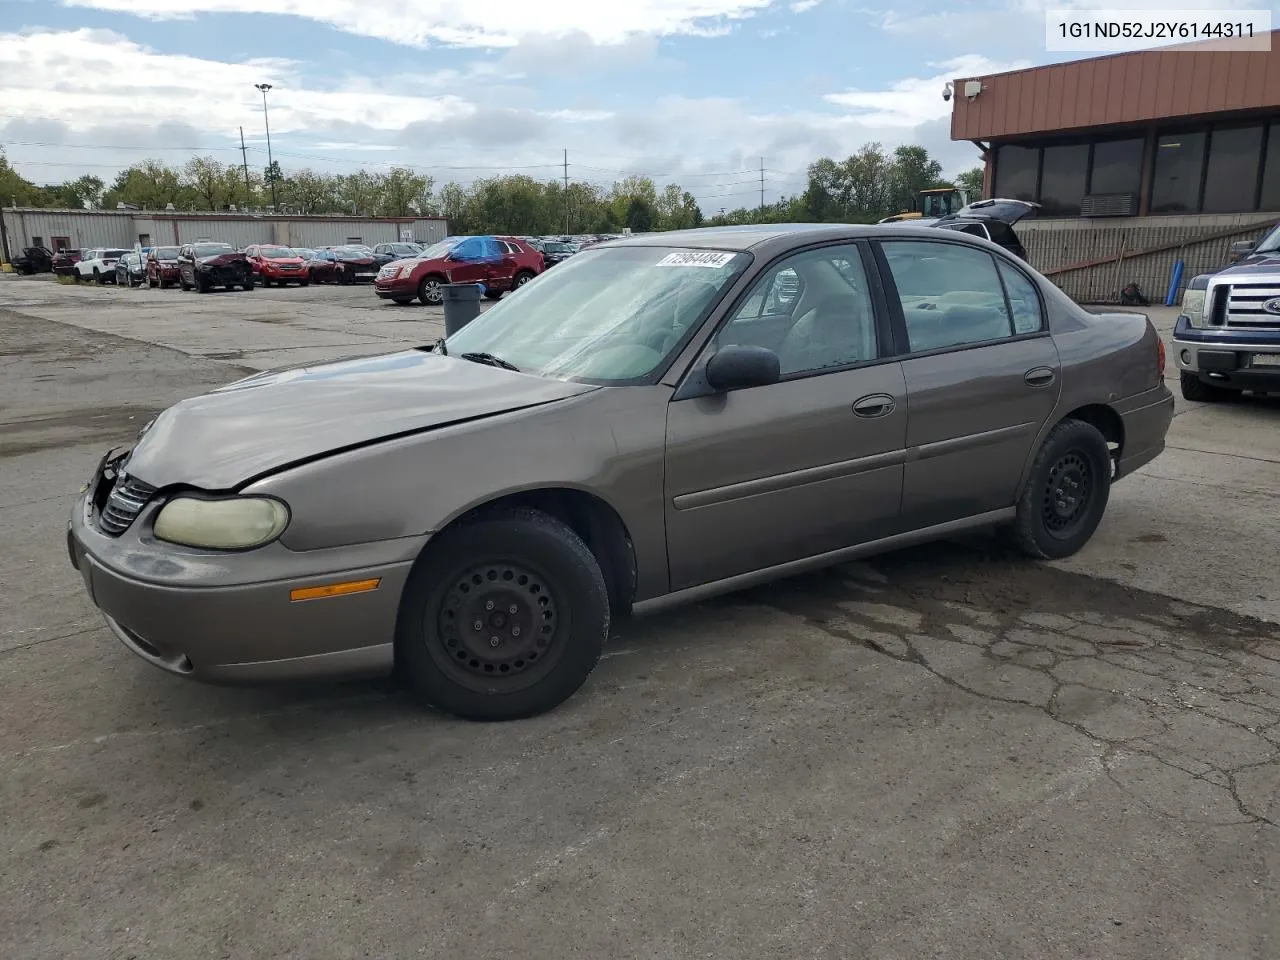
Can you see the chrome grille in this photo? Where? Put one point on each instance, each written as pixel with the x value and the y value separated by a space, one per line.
pixel 123 505
pixel 1244 306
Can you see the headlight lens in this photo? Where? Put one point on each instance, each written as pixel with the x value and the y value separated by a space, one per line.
pixel 1193 307
pixel 234 523
pixel 406 270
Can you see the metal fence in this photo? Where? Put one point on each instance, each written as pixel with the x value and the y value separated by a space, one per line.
pixel 1092 262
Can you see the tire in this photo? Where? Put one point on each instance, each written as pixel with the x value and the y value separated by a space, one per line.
pixel 521 278
pixel 304 283
pixel 1067 492
pixel 152 284
pixel 247 286
pixel 492 294
pixel 97 277
pixel 429 292
pixel 1195 389
pixel 523 559
pixel 202 285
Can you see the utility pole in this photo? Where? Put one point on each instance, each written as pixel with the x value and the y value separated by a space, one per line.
pixel 271 164
pixel 566 191
pixel 244 156
pixel 762 184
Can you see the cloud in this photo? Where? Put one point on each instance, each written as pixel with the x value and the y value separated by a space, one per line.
pixel 60 116
pixel 916 100
pixel 803 6
pixel 577 52
pixel 473 23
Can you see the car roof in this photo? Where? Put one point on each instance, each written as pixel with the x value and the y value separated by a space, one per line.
pixel 768 237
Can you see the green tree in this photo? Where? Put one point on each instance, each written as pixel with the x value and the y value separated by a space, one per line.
pixel 149 185
pixel 971 183
pixel 640 215
pixel 912 171
pixel 207 179
pixel 16 189
pixel 82 193
pixel 404 193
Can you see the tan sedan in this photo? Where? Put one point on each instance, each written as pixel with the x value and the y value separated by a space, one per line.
pixel 656 420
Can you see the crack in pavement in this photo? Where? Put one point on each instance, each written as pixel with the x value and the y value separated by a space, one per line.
pixel 1183 700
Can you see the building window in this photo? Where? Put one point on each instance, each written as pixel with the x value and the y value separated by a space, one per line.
pixel 1117 167
pixel 60 243
pixel 1017 170
pixel 144 239
pixel 1270 199
pixel 1231 179
pixel 1178 173
pixel 1062 180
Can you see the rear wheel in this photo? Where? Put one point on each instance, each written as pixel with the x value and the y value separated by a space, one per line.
pixel 503 617
pixel 521 279
pixel 1067 492
pixel 1195 389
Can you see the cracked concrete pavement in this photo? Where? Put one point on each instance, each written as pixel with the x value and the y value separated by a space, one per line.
pixel 947 751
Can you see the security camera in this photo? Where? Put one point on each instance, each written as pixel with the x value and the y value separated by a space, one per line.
pixel 946 91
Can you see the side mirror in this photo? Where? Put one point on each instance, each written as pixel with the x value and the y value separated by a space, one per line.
pixel 736 367
pixel 1241 249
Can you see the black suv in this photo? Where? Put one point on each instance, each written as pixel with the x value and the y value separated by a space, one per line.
pixel 34 260
pixel 206 264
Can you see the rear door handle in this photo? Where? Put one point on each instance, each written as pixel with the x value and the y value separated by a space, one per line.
pixel 1038 377
pixel 875 405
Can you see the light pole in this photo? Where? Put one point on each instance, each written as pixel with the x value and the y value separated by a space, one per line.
pixel 271 164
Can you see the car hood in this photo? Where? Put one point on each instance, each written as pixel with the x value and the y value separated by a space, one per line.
pixel 275 419
pixel 1253 265
pixel 221 259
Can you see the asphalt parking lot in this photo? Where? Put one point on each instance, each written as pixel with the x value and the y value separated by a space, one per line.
pixel 946 752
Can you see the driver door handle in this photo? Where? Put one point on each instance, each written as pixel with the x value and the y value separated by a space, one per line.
pixel 875 405
pixel 1038 377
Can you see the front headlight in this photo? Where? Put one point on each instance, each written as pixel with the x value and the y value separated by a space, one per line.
pixel 233 523
pixel 1193 307
pixel 405 271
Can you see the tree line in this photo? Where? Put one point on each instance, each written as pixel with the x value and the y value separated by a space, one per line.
pixel 862 188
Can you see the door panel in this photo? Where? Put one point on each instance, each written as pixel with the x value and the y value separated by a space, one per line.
pixel 973 419
pixel 763 476
pixel 985 383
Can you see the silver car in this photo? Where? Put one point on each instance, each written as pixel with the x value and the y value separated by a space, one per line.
pixel 658 419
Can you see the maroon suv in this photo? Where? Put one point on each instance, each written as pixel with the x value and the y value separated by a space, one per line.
pixel 500 263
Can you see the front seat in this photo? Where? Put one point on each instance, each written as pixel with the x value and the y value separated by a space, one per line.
pixel 828 334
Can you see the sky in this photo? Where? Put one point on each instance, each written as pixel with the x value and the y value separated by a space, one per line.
pixel 697 92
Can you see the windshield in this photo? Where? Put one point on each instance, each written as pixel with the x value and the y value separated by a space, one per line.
pixel 438 250
pixel 554 247
pixel 353 251
pixel 613 315
pixel 1270 243
pixel 212 249
pixel 166 253
pixel 304 253
pixel 278 253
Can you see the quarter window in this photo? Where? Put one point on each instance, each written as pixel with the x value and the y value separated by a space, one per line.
pixel 1024 301
pixel 951 294
pixel 813 309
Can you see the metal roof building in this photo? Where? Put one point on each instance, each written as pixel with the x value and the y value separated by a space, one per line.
pixel 80 229
pixel 1187 130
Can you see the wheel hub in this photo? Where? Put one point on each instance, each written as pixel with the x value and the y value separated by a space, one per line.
pixel 1067 493
pixel 497 620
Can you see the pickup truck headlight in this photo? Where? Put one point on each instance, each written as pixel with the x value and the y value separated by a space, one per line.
pixel 231 523
pixel 1193 307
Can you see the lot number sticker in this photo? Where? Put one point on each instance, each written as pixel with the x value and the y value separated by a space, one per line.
pixel 696 258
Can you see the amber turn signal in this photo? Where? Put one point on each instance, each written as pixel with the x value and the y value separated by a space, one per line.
pixel 334 590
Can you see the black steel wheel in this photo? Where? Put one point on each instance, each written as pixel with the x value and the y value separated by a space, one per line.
pixel 503 617
pixel 1066 493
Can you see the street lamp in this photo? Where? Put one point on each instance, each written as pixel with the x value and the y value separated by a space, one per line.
pixel 271 164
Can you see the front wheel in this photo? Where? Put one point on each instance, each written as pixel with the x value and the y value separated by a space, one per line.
pixel 503 617
pixel 429 291
pixel 1196 390
pixel 1067 492
pixel 97 277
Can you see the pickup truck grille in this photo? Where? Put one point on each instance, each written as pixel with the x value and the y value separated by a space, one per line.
pixel 123 506
pixel 1244 306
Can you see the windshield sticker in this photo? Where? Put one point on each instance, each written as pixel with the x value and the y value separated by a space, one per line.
pixel 696 258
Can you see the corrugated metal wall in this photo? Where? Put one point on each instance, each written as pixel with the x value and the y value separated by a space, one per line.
pixel 1141 250
pixel 1124 88
pixel 123 228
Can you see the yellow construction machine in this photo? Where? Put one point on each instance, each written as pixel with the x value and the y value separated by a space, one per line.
pixel 933 203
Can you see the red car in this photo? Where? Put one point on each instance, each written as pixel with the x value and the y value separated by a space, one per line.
pixel 500 263
pixel 277 265
pixel 162 267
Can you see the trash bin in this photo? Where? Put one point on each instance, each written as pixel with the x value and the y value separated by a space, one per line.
pixel 461 305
